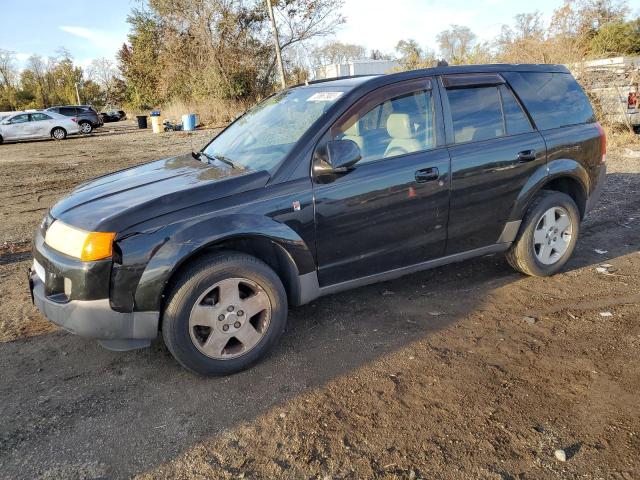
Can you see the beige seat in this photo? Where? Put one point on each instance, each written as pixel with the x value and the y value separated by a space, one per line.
pixel 402 136
pixel 353 133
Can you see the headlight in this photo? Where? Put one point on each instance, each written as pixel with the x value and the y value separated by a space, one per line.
pixel 87 246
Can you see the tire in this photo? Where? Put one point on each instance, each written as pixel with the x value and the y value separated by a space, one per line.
pixel 193 323
pixel 59 133
pixel 1 139
pixel 544 245
pixel 86 128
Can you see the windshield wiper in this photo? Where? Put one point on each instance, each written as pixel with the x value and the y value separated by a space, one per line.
pixel 211 158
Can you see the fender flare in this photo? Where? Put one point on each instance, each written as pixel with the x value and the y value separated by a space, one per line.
pixel 193 238
pixel 554 169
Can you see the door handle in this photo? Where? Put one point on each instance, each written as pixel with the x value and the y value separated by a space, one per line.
pixel 526 156
pixel 427 175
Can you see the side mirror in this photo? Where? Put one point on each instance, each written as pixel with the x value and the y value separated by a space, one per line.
pixel 342 154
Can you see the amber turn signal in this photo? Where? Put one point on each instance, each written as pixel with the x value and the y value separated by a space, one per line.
pixel 98 245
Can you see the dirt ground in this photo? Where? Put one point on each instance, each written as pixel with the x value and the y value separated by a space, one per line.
pixel 465 371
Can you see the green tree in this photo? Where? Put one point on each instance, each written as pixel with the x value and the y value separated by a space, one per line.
pixel 139 60
pixel 204 49
pixel 616 38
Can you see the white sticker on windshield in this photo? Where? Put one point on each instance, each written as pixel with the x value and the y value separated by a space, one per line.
pixel 324 97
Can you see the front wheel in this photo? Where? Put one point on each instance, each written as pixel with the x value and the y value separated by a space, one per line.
pixel 548 235
pixel 59 133
pixel 224 312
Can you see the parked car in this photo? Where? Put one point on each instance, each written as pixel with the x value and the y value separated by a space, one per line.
pixel 113 115
pixel 87 117
pixel 318 189
pixel 32 125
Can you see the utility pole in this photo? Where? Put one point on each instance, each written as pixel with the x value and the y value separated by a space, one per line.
pixel 77 94
pixel 276 40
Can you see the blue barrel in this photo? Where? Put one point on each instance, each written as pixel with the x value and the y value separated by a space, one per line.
pixel 189 121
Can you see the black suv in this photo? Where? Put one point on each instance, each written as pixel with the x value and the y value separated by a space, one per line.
pixel 88 118
pixel 318 189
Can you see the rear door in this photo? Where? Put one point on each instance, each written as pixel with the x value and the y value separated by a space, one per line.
pixel 494 151
pixel 41 124
pixel 390 210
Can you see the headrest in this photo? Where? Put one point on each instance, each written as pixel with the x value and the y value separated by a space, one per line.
pixel 399 126
pixel 353 130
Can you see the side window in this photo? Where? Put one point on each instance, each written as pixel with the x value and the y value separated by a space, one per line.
pixel 476 114
pixel 553 99
pixel 515 118
pixel 396 126
pixel 36 117
pixel 68 111
pixel 24 118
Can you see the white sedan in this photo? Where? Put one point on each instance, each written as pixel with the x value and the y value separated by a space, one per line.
pixel 32 125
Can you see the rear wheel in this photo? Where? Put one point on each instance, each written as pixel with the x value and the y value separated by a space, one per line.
pixel 86 127
pixel 224 312
pixel 59 133
pixel 548 235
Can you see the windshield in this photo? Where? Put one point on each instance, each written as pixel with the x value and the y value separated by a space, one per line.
pixel 263 137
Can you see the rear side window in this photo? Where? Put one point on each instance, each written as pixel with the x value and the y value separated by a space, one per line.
pixel 36 117
pixel 68 111
pixel 552 99
pixel 476 114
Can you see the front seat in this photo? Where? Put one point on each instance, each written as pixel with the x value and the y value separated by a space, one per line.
pixel 353 133
pixel 402 137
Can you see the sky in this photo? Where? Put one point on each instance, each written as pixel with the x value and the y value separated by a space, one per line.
pixel 97 28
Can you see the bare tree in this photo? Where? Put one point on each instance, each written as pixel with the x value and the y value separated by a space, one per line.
pixel 411 55
pixel 336 52
pixel 8 72
pixel 456 43
pixel 105 73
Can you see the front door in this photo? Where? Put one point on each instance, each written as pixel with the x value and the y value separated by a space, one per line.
pixel 17 129
pixel 494 152
pixel 390 210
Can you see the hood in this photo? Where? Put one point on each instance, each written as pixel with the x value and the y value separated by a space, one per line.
pixel 122 199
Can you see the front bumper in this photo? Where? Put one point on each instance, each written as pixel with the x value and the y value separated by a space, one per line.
pixel 96 319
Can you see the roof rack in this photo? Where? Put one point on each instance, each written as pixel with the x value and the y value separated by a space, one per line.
pixel 323 80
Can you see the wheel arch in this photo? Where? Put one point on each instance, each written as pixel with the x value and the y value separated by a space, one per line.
pixel 264 248
pixel 562 175
pixel 572 187
pixel 274 243
pixel 56 127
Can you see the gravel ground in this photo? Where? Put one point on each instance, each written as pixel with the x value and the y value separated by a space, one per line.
pixel 466 371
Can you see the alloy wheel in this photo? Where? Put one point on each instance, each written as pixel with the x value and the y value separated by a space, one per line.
pixel 552 235
pixel 58 134
pixel 230 318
